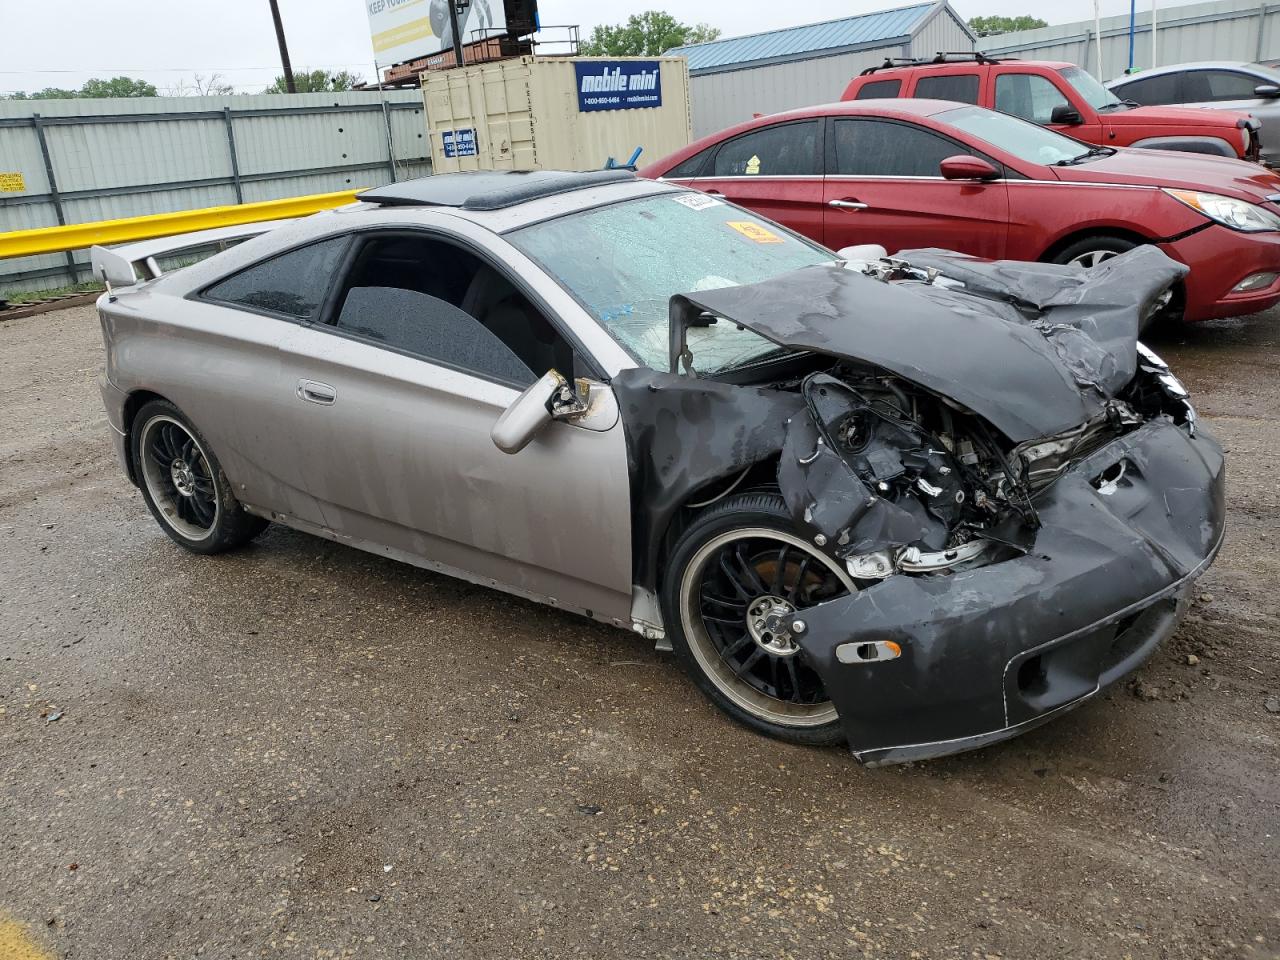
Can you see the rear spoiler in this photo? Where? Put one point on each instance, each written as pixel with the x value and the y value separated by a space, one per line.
pixel 130 263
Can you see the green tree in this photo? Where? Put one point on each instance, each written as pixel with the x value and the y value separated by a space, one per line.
pixel 990 26
pixel 94 89
pixel 117 87
pixel 645 34
pixel 317 81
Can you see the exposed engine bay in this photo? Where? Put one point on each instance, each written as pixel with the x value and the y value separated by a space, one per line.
pixel 892 465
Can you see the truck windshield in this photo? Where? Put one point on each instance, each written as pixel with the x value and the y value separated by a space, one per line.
pixel 623 262
pixel 1025 140
pixel 1091 91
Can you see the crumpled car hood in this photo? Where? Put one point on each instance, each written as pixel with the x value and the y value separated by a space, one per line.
pixel 1036 349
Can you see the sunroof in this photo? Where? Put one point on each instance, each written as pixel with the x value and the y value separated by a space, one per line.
pixel 488 189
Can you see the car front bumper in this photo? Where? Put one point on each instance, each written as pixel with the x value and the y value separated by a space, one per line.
pixel 988 653
pixel 1220 258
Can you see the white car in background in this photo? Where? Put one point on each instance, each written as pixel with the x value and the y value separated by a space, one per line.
pixel 1219 84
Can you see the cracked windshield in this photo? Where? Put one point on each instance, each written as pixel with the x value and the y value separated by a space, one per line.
pixel 625 261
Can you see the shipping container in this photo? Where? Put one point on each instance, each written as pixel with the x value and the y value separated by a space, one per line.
pixel 554 113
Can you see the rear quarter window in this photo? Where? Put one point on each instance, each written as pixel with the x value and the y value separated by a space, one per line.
pixel 879 90
pixel 292 284
pixel 960 87
pixel 690 167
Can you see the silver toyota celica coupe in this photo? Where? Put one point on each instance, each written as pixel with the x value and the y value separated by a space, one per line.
pixel 915 504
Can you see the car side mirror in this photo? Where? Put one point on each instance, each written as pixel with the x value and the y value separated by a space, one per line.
pixel 551 397
pixel 1268 90
pixel 967 168
pixel 1064 113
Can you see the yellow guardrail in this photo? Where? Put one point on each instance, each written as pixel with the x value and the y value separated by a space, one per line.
pixel 77 236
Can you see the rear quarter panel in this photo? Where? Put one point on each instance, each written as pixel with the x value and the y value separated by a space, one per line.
pixel 222 369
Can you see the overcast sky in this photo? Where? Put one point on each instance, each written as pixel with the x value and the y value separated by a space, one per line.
pixel 61 43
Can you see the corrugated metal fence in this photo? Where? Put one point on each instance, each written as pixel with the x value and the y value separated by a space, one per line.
pixel 86 160
pixel 1222 30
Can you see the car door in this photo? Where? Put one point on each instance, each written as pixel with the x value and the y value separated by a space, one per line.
pixel 1224 89
pixel 1034 97
pixel 775 170
pixel 883 185
pixel 425 342
pixel 235 373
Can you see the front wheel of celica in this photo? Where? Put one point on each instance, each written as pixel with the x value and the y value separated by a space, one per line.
pixel 736 574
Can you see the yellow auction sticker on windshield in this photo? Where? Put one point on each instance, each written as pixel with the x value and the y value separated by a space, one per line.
pixel 753 231
pixel 12 183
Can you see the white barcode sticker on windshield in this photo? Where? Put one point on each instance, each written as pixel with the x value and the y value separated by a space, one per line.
pixel 696 201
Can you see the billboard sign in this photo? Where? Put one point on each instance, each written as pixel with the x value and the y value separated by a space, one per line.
pixel 618 84
pixel 411 29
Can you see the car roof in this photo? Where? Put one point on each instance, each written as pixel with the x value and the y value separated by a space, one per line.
pixel 488 189
pixel 931 67
pixel 445 217
pixel 1192 65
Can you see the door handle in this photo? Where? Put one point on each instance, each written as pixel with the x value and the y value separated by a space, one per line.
pixel 713 193
pixel 847 204
pixel 313 391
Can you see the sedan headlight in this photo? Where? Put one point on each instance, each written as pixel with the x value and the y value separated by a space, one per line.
pixel 1228 211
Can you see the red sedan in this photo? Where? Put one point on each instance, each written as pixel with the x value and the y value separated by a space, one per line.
pixel 931 173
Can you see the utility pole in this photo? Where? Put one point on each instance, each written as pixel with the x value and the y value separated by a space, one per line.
pixel 1154 58
pixel 454 28
pixel 284 48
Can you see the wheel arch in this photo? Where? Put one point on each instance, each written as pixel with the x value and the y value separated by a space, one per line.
pixel 134 402
pixel 761 476
pixel 1085 233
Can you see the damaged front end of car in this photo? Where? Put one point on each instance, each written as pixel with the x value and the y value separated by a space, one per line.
pixel 1017 488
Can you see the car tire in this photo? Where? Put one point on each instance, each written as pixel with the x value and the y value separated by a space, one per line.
pixel 1090 251
pixel 183 483
pixel 759 678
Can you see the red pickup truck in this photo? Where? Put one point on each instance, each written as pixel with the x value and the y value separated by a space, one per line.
pixel 1063 97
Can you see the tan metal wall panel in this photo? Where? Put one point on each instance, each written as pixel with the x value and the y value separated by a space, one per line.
pixel 525 114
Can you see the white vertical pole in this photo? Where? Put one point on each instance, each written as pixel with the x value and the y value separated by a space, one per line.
pixel 1154 61
pixel 1097 37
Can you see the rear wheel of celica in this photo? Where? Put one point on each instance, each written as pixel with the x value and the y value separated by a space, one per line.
pixel 736 574
pixel 184 485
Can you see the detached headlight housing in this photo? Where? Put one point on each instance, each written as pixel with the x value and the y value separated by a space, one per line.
pixel 1228 211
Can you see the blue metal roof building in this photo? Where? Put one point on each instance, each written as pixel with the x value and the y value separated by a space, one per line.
pixel 733 78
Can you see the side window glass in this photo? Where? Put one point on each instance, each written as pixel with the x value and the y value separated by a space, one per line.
pixel 879 89
pixel 788 149
pixel 692 167
pixel 1028 95
pixel 1229 85
pixel 871 148
pixel 292 284
pixel 961 87
pixel 1151 91
pixel 440 302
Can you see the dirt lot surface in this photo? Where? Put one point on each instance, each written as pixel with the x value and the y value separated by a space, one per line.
pixel 301 749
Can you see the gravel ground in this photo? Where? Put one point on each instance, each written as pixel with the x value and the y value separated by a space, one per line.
pixel 302 749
